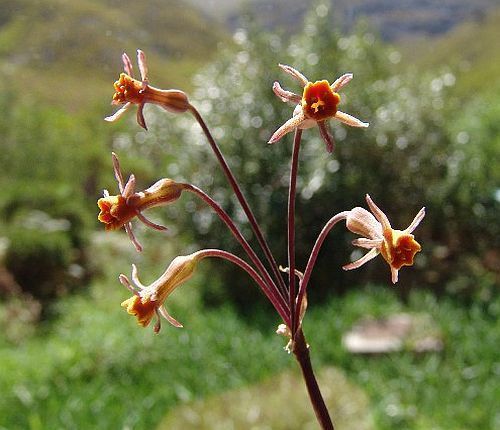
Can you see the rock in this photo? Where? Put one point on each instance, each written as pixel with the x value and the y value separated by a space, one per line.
pixel 413 332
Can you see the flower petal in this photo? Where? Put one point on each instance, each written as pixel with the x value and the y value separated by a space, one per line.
pixel 140 116
pixel 168 317
pixel 294 73
pixel 286 96
pixel 150 223
pixel 326 136
pixel 127 65
pixel 416 221
pixel 350 120
pixel 135 277
pixel 367 243
pixel 394 275
pixel 130 233
pixel 341 82
pixel 381 216
pixel 129 188
pixel 117 115
pixel 143 66
pixel 362 222
pixel 118 172
pixel 293 123
pixel 364 259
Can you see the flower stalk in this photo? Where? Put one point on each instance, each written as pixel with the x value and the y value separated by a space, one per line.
pixel 315 107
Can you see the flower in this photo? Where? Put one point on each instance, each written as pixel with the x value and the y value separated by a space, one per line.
pixel 117 211
pixel 397 247
pixel 129 91
pixel 148 301
pixel 318 103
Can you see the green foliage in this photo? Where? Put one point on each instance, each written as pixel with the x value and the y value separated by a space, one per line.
pixel 95 367
pixel 68 53
pixel 51 164
pixel 39 261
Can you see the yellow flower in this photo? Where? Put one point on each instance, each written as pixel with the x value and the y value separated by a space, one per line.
pixel 130 91
pixel 117 211
pixel 148 301
pixel 398 247
pixel 317 104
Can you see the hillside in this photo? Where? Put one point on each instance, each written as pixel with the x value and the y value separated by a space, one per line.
pixel 394 20
pixel 73 49
pixel 468 50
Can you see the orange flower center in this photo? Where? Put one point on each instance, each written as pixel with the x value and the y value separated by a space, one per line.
pixel 128 89
pixel 144 312
pixel 399 248
pixel 115 212
pixel 319 101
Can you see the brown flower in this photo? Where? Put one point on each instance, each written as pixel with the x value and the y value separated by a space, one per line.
pixel 117 211
pixel 317 104
pixel 130 91
pixel 398 247
pixel 148 301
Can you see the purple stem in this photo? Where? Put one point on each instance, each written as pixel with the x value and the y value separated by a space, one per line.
pixel 250 270
pixel 314 255
pixel 291 226
pixel 241 198
pixel 270 287
pixel 301 352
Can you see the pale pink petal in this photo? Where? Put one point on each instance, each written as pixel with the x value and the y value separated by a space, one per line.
pixel 326 135
pixel 143 66
pixel 394 275
pixel 367 243
pixel 286 96
pixel 294 73
pixel 126 283
pixel 130 233
pixel 341 82
pixel 135 277
pixel 416 221
pixel 381 216
pixel 364 259
pixel 350 120
pixel 169 318
pixel 150 223
pixel 118 172
pixel 362 222
pixel 127 65
pixel 118 114
pixel 293 123
pixel 157 326
pixel 140 116
pixel 129 188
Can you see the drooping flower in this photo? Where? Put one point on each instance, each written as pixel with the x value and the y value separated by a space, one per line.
pixel 149 301
pixel 118 210
pixel 130 91
pixel 316 106
pixel 398 247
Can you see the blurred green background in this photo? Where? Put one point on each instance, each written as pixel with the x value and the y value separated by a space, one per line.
pixel 426 77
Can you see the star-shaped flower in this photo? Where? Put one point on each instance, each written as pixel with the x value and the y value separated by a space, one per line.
pixel 117 211
pixel 317 104
pixel 397 247
pixel 130 91
pixel 148 301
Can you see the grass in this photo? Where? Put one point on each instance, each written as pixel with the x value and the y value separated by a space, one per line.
pixel 93 367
